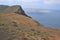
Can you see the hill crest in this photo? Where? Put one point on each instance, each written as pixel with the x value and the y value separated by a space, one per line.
pixel 15 25
pixel 12 9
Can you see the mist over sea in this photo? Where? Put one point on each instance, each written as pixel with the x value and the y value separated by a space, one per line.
pixel 50 19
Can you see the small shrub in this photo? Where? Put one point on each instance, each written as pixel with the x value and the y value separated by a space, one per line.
pixel 32 29
pixel 37 33
pixel 1 24
pixel 24 38
pixel 14 24
pixel 45 38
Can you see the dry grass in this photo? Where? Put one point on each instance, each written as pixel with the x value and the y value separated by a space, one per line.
pixel 18 27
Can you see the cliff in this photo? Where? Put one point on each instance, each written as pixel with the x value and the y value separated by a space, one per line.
pixel 12 9
pixel 16 25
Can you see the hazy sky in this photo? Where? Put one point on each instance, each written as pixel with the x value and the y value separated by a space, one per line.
pixel 38 4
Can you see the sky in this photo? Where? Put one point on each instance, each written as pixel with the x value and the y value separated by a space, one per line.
pixel 34 4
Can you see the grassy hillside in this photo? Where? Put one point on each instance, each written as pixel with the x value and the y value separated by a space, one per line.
pixel 18 27
pixel 14 26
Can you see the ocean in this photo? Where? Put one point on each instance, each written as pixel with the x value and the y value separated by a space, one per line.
pixel 49 19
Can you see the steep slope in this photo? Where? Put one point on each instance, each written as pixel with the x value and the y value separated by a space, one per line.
pixel 12 9
pixel 18 27
pixel 14 26
pixel 15 9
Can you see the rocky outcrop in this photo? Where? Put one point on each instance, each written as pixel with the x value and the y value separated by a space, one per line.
pixel 12 9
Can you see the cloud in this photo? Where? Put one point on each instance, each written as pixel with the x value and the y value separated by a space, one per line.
pixel 29 0
pixel 10 0
pixel 18 0
pixel 51 1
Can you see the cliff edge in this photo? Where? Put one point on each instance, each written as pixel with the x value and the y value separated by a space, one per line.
pixel 16 25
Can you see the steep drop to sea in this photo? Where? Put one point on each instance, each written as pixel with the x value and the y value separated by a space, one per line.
pixel 16 25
